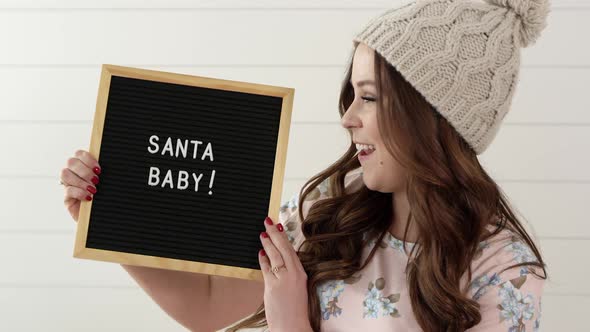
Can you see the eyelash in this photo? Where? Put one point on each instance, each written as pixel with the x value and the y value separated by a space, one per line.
pixel 368 99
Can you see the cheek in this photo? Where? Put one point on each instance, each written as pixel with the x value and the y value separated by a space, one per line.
pixel 389 164
pixel 383 157
pixel 387 160
pixel 379 159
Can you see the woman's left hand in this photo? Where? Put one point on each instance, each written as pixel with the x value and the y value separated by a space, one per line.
pixel 285 293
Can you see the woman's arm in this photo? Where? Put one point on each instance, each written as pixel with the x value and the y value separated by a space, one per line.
pixel 184 296
pixel 198 301
pixel 510 303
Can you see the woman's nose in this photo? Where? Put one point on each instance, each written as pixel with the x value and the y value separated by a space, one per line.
pixel 349 120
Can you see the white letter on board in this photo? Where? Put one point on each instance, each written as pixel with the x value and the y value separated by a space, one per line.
pixel 197 179
pixel 168 178
pixel 208 151
pixel 168 146
pixel 152 175
pixel 195 144
pixel 182 177
pixel 152 138
pixel 179 146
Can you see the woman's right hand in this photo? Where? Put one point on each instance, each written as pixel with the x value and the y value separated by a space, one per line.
pixel 79 178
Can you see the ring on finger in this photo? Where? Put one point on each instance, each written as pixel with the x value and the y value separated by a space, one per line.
pixel 275 269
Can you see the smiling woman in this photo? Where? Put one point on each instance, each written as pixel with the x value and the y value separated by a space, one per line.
pixel 415 235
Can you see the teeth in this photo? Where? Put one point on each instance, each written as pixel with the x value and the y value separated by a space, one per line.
pixel 365 147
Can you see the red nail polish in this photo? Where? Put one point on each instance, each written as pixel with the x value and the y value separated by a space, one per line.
pixel 96 170
pixel 95 179
pixel 268 221
pixel 91 189
pixel 264 234
pixel 88 198
pixel 280 227
pixel 262 252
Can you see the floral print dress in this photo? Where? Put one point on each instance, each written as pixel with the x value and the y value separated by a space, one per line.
pixel 376 298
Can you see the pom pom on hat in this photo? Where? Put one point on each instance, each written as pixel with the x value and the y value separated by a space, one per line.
pixel 533 17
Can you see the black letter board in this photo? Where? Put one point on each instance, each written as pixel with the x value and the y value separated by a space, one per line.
pixel 191 166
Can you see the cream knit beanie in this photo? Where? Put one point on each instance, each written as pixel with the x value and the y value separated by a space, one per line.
pixel 463 56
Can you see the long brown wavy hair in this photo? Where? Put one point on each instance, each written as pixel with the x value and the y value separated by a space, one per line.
pixel 451 198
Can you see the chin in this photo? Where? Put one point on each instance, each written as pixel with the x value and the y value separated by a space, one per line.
pixel 380 186
pixel 369 184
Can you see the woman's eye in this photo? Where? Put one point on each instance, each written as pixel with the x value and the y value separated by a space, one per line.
pixel 368 99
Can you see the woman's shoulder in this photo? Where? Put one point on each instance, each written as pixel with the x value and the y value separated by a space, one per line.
pixel 503 245
pixel 495 260
pixel 503 290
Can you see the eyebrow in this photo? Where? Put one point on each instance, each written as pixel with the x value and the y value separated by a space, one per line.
pixel 365 82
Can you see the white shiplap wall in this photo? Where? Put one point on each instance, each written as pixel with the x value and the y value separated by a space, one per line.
pixel 50 57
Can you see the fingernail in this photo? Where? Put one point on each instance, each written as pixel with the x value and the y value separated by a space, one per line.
pixel 91 189
pixel 264 234
pixel 262 252
pixel 95 180
pixel 96 170
pixel 88 198
pixel 268 221
pixel 280 227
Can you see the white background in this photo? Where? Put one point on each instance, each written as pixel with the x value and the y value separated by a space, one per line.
pixel 50 58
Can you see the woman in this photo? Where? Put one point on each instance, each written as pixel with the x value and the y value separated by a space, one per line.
pixel 406 231
pixel 444 74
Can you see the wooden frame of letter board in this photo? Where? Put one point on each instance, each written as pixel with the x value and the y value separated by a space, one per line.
pixel 81 251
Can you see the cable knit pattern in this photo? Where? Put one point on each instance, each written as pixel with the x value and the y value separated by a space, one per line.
pixel 463 56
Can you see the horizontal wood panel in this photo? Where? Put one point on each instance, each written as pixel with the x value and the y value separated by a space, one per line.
pixel 217 37
pixel 316 92
pixel 52 253
pixel 225 4
pixel 88 310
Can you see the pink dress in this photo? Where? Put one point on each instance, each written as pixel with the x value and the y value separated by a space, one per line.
pixel 376 298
